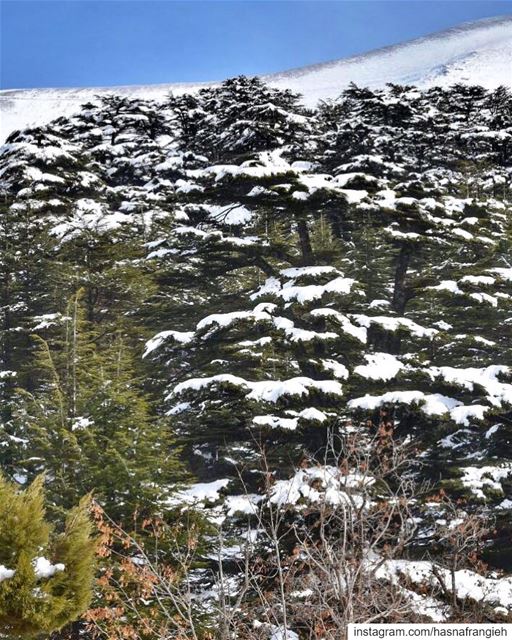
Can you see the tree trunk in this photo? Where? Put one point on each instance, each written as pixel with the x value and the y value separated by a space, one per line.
pixel 400 294
pixel 400 290
pixel 305 241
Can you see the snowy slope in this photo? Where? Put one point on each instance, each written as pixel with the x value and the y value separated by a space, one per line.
pixel 474 53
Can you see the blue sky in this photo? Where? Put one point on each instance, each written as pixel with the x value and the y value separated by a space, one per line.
pixel 112 42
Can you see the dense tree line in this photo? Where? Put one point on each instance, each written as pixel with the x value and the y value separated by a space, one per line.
pixel 194 287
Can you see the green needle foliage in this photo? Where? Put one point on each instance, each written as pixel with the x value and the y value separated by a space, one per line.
pixel 47 577
pixel 90 426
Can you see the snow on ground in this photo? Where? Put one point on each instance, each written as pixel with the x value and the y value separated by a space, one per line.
pixel 280 633
pixel 199 492
pixel 473 53
pixel 478 52
pixel 468 584
pixel 242 504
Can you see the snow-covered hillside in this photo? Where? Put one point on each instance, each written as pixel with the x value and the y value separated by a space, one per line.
pixel 474 53
pixel 279 336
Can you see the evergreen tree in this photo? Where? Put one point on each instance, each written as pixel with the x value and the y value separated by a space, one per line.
pixel 45 577
pixel 90 427
pixel 241 116
pixel 271 375
pixel 220 223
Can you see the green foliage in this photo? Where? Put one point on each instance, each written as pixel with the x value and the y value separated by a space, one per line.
pixel 91 427
pixel 290 269
pixel 33 602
